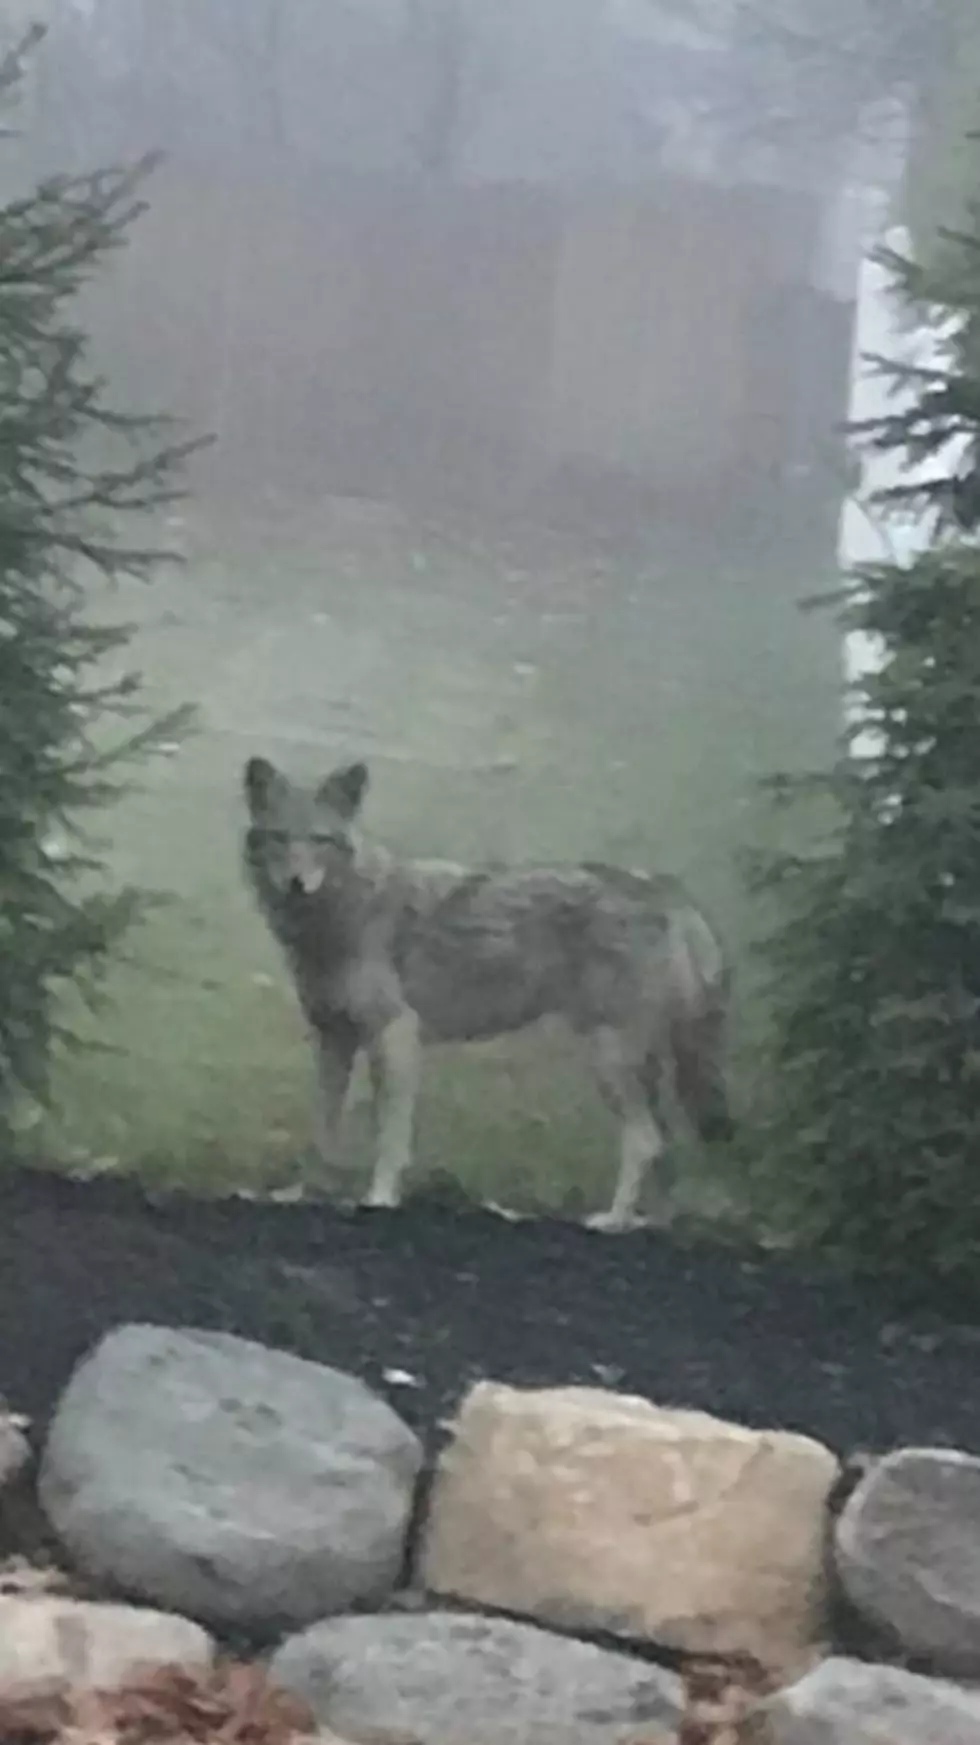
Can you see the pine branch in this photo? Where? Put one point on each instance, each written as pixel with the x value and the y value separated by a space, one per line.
pixel 60 518
pixel 869 1120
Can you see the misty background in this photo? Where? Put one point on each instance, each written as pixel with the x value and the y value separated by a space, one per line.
pixel 526 330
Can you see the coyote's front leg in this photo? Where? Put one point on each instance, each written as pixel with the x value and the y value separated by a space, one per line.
pixel 394 1054
pixel 336 1048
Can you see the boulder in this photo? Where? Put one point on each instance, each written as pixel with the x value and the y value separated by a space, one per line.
pixel 595 1510
pixel 449 1678
pixel 907 1548
pixel 848 1702
pixel 80 1642
pixel 236 1484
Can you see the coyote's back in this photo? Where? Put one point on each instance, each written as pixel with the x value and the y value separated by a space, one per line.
pixel 386 954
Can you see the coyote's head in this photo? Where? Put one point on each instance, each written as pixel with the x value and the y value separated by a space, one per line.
pixel 300 838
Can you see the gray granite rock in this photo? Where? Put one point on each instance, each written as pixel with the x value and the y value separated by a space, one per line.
pixel 907 1548
pixel 232 1483
pixel 846 1702
pixel 455 1678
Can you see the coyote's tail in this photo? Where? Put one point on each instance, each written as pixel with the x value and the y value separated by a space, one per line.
pixel 699 986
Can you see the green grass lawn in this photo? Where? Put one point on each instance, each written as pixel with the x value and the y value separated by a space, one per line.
pixel 515 702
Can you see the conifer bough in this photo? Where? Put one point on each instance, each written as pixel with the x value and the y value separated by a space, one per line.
pixel 74 474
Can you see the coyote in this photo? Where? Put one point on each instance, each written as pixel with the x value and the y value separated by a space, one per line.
pixel 388 954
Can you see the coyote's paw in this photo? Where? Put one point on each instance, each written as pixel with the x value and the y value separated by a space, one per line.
pixel 615 1223
pixel 381 1199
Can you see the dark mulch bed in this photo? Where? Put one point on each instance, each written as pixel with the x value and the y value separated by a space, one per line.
pixel 423 1301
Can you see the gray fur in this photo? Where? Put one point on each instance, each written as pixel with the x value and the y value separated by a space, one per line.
pixel 388 955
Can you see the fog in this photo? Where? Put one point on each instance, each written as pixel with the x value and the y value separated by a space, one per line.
pixel 525 332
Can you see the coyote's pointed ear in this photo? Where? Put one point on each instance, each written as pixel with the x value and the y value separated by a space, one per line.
pixel 263 783
pixel 344 789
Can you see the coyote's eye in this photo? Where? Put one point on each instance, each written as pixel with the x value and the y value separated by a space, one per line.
pixel 280 838
pixel 329 839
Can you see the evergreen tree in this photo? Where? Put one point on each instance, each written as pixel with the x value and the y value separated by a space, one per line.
pixel 869 1135
pixel 73 473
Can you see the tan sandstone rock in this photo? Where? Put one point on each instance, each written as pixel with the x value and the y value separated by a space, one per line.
pixel 589 1509
pixel 48 1638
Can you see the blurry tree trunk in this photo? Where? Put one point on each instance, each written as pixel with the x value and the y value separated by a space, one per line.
pixel 251 38
pixel 439 37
